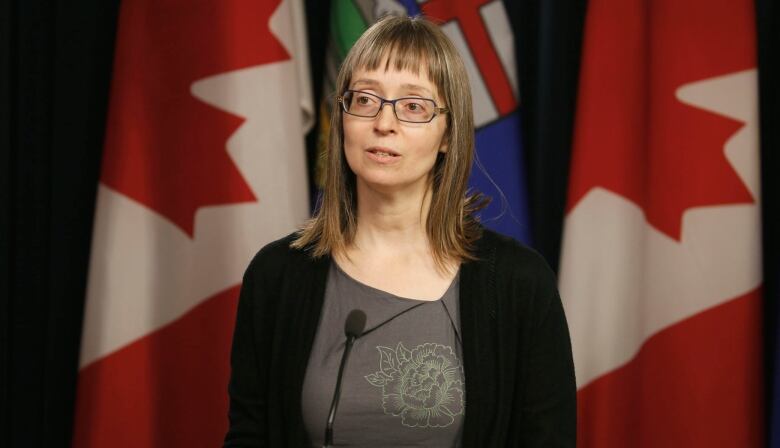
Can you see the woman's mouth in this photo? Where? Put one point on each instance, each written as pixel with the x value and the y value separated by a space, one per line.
pixel 383 152
pixel 383 156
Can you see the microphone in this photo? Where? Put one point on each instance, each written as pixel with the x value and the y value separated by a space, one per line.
pixel 353 329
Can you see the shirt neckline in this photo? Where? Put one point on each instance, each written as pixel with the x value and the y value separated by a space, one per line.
pixel 382 292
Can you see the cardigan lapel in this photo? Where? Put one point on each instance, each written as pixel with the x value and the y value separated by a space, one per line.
pixel 305 290
pixel 477 295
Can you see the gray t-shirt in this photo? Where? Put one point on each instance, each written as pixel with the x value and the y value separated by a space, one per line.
pixel 403 385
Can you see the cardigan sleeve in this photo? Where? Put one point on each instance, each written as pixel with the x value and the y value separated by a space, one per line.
pixel 247 387
pixel 548 413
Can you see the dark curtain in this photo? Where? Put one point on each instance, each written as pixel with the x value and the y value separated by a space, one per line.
pixel 56 64
pixel 768 20
pixel 548 37
pixel 55 68
pixel 318 26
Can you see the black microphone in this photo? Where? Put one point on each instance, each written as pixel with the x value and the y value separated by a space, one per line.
pixel 353 329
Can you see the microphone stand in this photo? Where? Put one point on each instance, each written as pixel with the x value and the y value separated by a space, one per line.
pixel 337 394
pixel 353 328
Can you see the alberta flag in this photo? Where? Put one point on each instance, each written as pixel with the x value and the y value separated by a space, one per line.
pixel 480 30
pixel 203 164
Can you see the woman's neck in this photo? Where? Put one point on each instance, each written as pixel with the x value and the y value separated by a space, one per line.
pixel 393 220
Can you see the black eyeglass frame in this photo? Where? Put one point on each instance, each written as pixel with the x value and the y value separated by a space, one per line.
pixel 436 109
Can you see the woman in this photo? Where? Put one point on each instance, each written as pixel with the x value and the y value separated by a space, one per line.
pixel 465 343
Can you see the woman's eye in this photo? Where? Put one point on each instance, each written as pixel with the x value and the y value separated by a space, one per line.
pixel 364 100
pixel 415 107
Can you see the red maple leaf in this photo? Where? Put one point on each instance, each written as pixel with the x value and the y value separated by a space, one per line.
pixel 633 136
pixel 165 148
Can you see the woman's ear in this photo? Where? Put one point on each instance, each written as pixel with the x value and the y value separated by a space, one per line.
pixel 444 146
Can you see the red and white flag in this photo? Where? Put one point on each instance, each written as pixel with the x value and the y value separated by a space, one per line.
pixel 204 162
pixel 661 261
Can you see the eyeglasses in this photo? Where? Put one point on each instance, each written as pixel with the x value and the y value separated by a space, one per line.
pixel 407 109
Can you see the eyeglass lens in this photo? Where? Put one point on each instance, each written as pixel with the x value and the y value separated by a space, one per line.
pixel 415 110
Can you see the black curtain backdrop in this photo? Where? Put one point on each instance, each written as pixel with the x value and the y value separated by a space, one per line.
pixel 56 66
pixel 768 23
pixel 55 70
pixel 548 37
pixel 768 20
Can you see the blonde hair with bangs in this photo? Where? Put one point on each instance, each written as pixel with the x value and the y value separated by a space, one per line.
pixel 405 44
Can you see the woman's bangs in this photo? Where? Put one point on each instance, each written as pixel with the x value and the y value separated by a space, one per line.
pixel 384 53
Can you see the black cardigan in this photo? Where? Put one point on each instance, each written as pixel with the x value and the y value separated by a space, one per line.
pixel 520 388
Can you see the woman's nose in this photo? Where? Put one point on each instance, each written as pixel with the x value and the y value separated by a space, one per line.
pixel 386 121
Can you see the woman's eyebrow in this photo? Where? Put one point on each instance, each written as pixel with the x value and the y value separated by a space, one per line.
pixel 406 86
pixel 370 82
pixel 417 87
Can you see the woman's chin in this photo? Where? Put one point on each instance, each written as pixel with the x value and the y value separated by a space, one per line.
pixel 392 184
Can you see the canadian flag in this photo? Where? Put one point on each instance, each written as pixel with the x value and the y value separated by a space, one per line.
pixel 204 162
pixel 661 261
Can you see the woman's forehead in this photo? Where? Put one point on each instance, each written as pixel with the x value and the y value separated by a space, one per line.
pixel 391 78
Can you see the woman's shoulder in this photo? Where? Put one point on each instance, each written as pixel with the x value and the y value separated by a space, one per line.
pixel 278 255
pixel 515 267
pixel 509 254
pixel 519 274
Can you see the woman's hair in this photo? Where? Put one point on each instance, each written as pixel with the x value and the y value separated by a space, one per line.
pixel 405 44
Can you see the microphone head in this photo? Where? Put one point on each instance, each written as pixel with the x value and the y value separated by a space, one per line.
pixel 355 324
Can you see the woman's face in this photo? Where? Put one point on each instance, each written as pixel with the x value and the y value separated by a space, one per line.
pixel 384 153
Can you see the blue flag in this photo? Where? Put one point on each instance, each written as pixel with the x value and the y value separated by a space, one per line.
pixel 482 34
